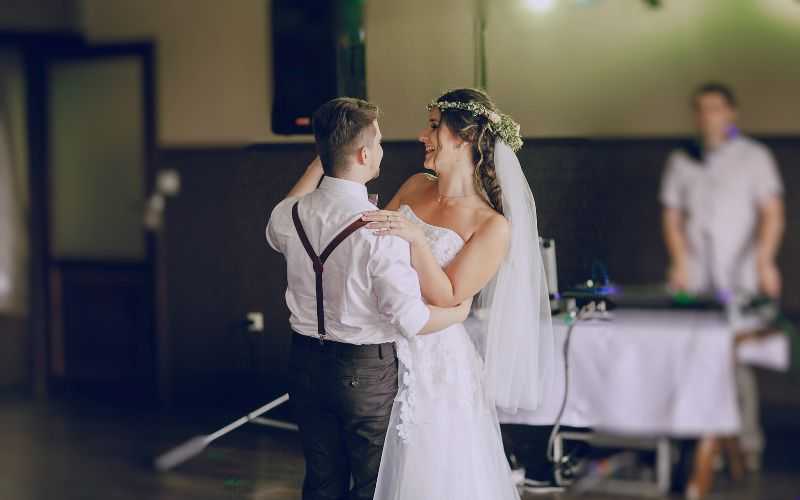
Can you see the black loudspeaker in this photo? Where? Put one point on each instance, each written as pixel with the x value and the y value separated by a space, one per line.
pixel 317 54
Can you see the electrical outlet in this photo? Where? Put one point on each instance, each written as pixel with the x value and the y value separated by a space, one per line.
pixel 255 322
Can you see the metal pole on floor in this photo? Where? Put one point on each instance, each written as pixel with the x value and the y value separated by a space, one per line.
pixel 197 444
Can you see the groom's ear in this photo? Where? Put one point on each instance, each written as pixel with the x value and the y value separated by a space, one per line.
pixel 362 155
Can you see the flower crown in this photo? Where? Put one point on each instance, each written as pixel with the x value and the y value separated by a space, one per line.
pixel 500 124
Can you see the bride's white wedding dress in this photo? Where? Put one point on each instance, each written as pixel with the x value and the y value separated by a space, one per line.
pixel 443 440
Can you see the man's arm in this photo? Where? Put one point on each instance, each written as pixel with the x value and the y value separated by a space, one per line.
pixel 442 317
pixel 469 271
pixel 279 226
pixel 769 200
pixel 309 181
pixel 672 222
pixel 675 240
pixel 770 234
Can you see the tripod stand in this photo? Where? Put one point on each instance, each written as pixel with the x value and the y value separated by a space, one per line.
pixel 197 444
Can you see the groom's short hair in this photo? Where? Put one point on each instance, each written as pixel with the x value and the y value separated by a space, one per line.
pixel 338 125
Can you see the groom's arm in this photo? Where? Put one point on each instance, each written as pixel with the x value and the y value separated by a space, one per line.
pixel 280 224
pixel 396 287
pixel 442 317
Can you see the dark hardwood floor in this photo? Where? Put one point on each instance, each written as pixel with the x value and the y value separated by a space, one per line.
pixel 82 450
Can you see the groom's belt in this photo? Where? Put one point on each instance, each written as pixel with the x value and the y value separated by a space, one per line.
pixel 342 350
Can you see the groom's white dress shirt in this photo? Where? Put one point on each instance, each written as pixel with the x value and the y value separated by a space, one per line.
pixel 372 293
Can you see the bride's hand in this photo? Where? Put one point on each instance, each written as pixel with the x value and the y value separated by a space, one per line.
pixel 389 222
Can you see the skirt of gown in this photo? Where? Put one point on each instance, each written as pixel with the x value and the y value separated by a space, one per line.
pixel 443 440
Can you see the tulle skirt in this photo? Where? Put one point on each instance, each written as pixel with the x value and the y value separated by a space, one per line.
pixel 443 440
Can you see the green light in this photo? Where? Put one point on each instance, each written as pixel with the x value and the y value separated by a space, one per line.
pixel 683 298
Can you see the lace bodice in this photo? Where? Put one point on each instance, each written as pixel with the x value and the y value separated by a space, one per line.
pixel 444 243
pixel 441 363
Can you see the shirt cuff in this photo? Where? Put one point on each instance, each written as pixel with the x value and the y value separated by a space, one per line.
pixel 412 322
pixel 280 224
pixel 670 201
pixel 272 243
pixel 768 193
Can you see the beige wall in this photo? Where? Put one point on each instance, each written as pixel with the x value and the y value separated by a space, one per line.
pixel 416 49
pixel 214 82
pixel 611 68
pixel 619 68
pixel 213 85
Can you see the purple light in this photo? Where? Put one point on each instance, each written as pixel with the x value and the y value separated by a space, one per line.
pixel 724 296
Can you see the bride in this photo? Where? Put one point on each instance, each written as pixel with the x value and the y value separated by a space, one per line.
pixel 472 230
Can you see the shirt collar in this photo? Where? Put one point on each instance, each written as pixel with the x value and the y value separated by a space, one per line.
pixel 730 144
pixel 343 186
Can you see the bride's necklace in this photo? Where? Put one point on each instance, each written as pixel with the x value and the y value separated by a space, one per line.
pixel 443 197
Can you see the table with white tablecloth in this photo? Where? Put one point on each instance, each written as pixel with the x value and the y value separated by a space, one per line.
pixel 644 372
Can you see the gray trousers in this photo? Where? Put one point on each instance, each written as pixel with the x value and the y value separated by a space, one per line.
pixel 342 397
pixel 752 436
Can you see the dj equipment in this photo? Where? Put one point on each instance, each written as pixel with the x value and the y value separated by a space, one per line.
pixel 548 248
pixel 643 297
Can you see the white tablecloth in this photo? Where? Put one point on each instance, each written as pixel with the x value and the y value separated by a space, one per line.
pixel 645 373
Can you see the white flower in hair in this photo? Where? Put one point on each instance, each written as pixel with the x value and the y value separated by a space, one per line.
pixel 506 129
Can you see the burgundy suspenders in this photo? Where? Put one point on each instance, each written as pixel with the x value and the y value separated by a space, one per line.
pixel 319 261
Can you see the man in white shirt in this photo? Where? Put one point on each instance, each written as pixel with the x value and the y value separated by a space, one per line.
pixel 723 206
pixel 343 363
pixel 723 222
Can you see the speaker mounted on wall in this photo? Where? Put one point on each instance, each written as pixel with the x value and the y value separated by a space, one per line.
pixel 318 54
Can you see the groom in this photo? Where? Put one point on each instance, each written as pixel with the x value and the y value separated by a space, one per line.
pixel 347 309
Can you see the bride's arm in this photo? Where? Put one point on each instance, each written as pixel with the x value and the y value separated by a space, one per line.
pixel 469 271
pixel 434 283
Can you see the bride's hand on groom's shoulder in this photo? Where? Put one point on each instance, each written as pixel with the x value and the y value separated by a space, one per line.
pixel 390 222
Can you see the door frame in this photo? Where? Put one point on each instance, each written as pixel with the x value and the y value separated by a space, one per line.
pixel 36 58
